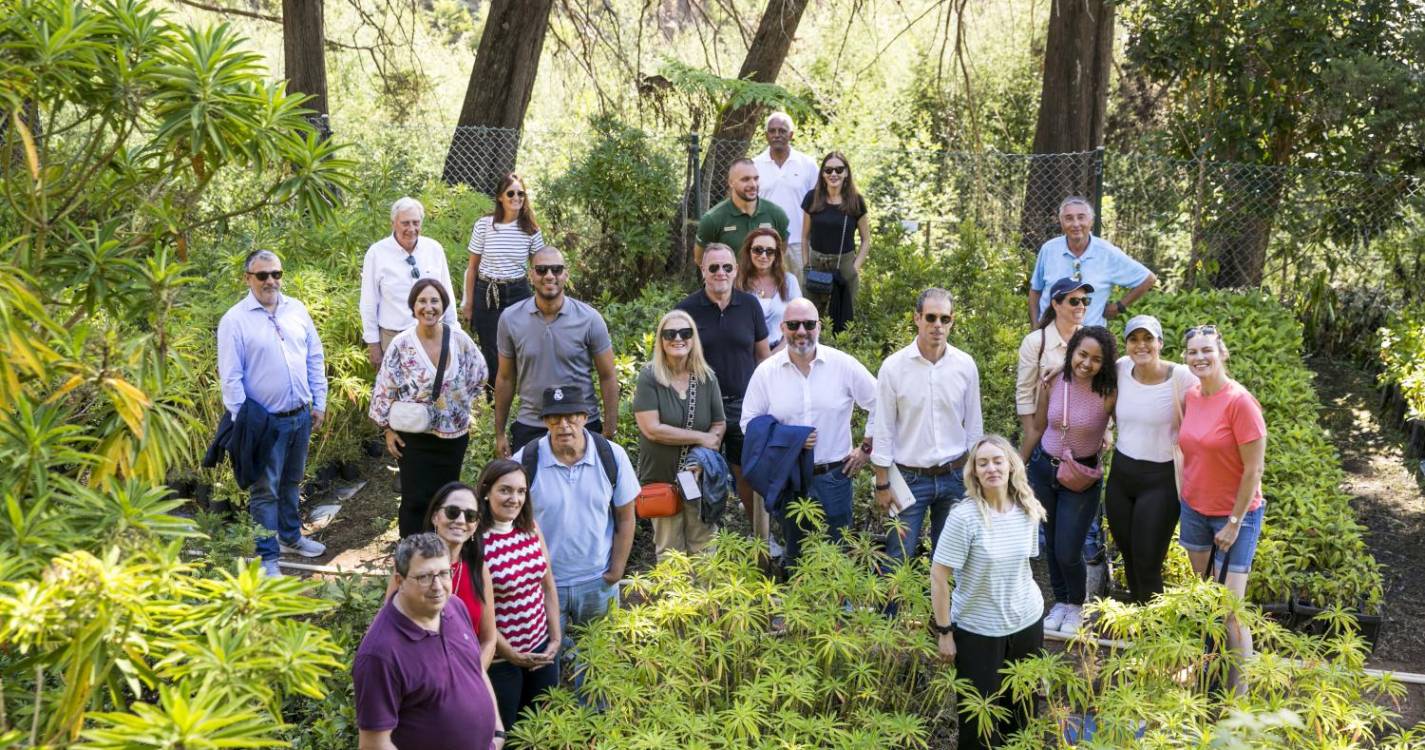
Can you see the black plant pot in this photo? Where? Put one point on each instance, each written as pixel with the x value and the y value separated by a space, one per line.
pixel 223 508
pixel 327 472
pixel 202 493
pixel 374 447
pixel 350 472
pixel 1304 618
pixel 315 487
pixel 1282 613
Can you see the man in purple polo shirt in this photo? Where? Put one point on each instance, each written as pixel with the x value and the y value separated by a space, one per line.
pixel 419 682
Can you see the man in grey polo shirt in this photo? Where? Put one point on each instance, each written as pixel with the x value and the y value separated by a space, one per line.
pixel 548 340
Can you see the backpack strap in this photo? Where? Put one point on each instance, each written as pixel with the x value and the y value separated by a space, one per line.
pixel 606 459
pixel 529 457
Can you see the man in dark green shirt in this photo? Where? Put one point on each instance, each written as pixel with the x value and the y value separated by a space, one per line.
pixel 730 221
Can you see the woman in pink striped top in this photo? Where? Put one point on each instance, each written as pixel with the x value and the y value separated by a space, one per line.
pixel 1072 420
pixel 526 601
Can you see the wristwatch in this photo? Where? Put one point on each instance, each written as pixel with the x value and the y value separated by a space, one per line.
pixel 1122 308
pixel 881 487
pixel 1234 520
pixel 941 629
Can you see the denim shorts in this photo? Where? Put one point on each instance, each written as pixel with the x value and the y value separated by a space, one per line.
pixel 1196 531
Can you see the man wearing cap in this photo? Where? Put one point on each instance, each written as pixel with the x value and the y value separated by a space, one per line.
pixel 546 340
pixel 927 417
pixel 1079 255
pixel 739 213
pixel 582 488
pixel 814 385
pixel 784 176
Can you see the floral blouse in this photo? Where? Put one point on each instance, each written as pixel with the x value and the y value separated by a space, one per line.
pixel 407 374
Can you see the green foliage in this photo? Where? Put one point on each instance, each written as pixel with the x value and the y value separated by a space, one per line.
pixel 1402 354
pixel 709 92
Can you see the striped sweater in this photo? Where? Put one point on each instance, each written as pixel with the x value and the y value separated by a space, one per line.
pixel 517 567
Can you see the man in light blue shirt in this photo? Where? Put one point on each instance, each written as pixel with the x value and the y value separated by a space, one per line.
pixel 269 354
pixel 1079 255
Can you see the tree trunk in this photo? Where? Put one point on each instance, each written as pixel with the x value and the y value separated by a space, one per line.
pixel 501 82
pixel 1238 227
pixel 303 39
pixel 1073 106
pixel 763 63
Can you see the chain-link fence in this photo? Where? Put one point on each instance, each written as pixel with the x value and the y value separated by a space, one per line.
pixel 1195 222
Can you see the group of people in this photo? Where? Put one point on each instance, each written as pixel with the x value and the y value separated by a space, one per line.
pixel 742 394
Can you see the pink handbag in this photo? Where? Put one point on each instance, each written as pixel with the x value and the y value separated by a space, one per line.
pixel 1071 474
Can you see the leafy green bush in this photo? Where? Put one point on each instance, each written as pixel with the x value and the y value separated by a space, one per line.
pixel 1402 354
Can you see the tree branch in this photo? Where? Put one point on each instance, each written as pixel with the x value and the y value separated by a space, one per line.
pixel 234 11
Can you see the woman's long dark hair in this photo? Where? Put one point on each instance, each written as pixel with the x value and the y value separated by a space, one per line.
pixel 470 552
pixel 526 214
pixel 1105 383
pixel 492 473
pixel 745 269
pixel 851 203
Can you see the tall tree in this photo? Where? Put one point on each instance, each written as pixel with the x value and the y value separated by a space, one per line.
pixel 303 38
pixel 501 82
pixel 737 124
pixel 1073 106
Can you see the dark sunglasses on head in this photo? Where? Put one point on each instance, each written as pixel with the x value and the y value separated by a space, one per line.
pixel 833 170
pixel 759 250
pixel 451 513
pixel 546 270
pixel 1206 330
pixel 794 325
pixel 411 261
pixel 932 318
pixel 725 268
pixel 513 193
pixel 685 334
pixel 265 275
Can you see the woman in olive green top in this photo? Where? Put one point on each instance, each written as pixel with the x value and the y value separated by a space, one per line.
pixel 677 376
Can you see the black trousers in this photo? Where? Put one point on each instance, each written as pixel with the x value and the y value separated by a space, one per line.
pixel 487 318
pixel 1141 503
pixel 516 687
pixel 979 658
pixel 521 433
pixel 427 463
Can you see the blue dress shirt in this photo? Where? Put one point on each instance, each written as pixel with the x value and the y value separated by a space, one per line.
pixel 274 359
pixel 1103 265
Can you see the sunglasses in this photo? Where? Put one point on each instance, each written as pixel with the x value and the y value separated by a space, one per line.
pixel 670 334
pixel 514 193
pixel 833 170
pixel 796 325
pixel 557 270
pixel 451 513
pixel 411 261
pixel 767 251
pixel 1075 301
pixel 265 275
pixel 725 268
pixel 1205 330
pixel 933 319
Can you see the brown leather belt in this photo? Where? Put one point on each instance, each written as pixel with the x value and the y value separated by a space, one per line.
pixel 935 471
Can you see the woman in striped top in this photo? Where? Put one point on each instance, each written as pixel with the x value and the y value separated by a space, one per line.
pixel 495 278
pixel 526 603
pixel 992 617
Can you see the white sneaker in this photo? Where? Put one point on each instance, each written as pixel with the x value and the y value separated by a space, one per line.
pixel 1073 619
pixel 270 569
pixel 305 546
pixel 1055 618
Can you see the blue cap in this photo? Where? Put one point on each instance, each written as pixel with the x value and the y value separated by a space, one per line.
pixel 1068 284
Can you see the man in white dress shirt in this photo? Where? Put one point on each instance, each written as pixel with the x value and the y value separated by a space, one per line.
pixel 814 385
pixel 392 265
pixel 928 415
pixel 784 176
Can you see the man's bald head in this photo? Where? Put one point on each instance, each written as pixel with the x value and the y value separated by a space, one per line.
pixel 803 308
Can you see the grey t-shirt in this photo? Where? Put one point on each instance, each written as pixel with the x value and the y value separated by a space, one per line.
pixel 657 462
pixel 548 354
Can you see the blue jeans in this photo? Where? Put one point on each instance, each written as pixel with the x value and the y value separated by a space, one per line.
pixel 936 494
pixel 832 491
pixel 276 494
pixel 1196 533
pixel 581 604
pixel 1070 514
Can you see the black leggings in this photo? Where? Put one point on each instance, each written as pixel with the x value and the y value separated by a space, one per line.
pixel 1142 508
pixel 979 659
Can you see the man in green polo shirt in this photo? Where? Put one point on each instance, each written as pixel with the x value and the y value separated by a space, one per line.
pixel 730 221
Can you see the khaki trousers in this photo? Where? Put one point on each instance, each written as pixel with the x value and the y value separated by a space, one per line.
pixel 684 532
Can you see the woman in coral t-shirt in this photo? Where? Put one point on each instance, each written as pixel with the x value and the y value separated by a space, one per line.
pixel 1224 443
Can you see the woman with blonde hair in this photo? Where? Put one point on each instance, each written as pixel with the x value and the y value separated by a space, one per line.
pixel 678 406
pixel 992 618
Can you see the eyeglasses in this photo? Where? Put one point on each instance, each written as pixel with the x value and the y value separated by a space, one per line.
pixel 452 512
pixel 411 261
pixel 1078 274
pixel 833 170
pixel 759 250
pixel 571 418
pixel 557 270
pixel 1205 330
pixel 514 193
pixel 796 325
pixel 265 275
pixel 725 268
pixel 669 334
pixel 933 319
pixel 1077 301
pixel 426 579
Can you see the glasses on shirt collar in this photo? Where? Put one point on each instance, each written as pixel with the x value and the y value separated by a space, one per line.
pixel 1078 274
pixel 411 261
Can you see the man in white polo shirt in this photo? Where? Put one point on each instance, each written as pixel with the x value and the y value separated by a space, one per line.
pixel 784 176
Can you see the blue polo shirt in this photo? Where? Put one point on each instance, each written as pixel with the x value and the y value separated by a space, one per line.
pixel 1103 265
pixel 571 506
